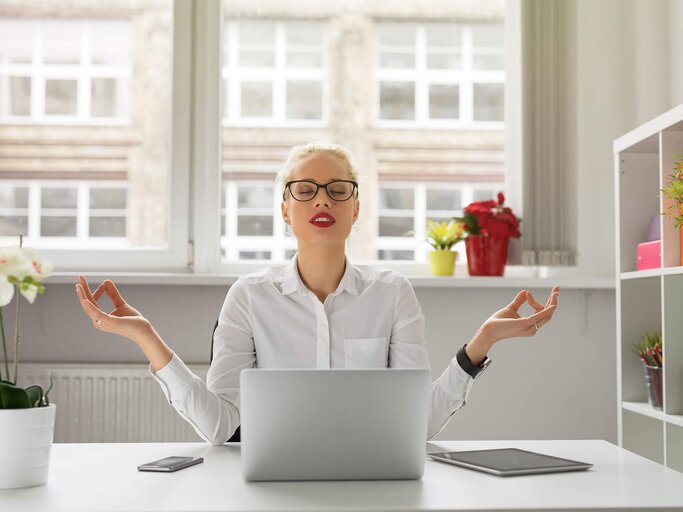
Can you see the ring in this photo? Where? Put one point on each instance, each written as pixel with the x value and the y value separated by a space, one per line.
pixel 536 325
pixel 98 322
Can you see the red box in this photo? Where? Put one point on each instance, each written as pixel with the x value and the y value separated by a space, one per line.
pixel 649 255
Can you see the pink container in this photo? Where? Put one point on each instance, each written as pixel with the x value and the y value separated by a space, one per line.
pixel 649 255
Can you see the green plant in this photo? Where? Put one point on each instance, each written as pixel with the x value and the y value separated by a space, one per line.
pixel 649 348
pixel 674 191
pixel 444 235
pixel 22 270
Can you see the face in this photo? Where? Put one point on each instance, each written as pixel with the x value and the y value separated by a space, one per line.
pixel 301 216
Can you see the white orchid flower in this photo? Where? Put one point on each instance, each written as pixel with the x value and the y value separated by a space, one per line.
pixel 13 263
pixel 40 269
pixel 6 291
pixel 29 291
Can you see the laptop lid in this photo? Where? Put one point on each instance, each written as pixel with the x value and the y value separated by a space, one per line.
pixel 339 424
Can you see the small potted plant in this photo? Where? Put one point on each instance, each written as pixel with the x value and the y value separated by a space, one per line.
pixel 649 349
pixel 442 236
pixel 674 193
pixel 488 227
pixel 26 416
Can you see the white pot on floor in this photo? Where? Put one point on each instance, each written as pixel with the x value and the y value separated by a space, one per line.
pixel 25 442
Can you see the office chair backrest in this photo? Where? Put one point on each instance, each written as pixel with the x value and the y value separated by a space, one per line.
pixel 236 436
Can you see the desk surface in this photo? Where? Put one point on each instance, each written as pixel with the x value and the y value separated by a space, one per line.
pixel 104 477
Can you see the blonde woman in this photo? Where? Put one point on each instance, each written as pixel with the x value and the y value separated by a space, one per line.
pixel 316 311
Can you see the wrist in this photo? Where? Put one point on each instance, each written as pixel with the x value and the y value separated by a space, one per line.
pixel 478 347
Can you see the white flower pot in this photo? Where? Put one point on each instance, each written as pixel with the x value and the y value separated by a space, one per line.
pixel 25 442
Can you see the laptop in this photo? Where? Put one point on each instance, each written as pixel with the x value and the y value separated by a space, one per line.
pixel 339 424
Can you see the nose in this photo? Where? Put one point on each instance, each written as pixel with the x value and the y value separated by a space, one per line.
pixel 322 192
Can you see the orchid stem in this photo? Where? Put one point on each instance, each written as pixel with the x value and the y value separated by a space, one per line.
pixel 16 339
pixel 4 347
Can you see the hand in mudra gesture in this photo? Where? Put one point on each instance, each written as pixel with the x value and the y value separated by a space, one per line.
pixel 508 323
pixel 124 319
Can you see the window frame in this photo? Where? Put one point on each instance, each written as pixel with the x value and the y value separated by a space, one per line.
pixel 174 257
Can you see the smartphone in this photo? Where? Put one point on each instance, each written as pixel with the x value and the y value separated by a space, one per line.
pixel 168 464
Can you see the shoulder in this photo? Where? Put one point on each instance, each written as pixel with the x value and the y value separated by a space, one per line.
pixel 374 274
pixel 266 275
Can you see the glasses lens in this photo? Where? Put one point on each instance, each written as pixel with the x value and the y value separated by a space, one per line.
pixel 340 190
pixel 303 190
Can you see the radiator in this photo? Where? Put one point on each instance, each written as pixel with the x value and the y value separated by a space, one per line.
pixel 109 403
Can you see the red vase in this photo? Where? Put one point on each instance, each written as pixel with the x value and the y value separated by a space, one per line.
pixel 486 255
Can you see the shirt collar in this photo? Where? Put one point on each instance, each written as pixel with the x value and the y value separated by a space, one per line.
pixel 291 280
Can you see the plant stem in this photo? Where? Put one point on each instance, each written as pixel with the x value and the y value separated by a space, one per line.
pixel 16 339
pixel 4 346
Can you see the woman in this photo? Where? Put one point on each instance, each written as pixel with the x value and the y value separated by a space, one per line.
pixel 317 311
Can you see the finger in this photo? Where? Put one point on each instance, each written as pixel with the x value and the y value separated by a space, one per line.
pixel 534 303
pixel 91 310
pixel 536 318
pixel 554 295
pixel 518 301
pixel 114 294
pixel 86 289
pixel 80 291
pixel 98 293
pixel 100 319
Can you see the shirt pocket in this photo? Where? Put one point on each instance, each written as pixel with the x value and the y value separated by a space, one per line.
pixel 365 352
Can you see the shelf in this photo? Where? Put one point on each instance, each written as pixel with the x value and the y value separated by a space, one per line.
pixel 653 272
pixel 645 409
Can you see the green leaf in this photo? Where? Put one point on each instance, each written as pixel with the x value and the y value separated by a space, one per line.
pixel 46 402
pixel 35 395
pixel 13 397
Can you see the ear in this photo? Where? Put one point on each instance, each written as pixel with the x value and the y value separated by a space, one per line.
pixel 285 215
pixel 356 210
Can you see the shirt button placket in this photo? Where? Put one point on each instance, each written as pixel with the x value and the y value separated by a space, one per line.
pixel 322 330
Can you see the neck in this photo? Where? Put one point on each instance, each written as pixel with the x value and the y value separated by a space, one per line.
pixel 321 267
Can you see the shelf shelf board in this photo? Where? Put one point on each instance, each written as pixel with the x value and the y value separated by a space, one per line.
pixel 654 272
pixel 645 409
pixel 637 138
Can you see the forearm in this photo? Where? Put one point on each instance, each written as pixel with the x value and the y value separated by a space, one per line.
pixel 154 348
pixel 479 346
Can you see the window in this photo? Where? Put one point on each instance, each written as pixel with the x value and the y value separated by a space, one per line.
pixel 274 72
pixel 440 74
pixel 65 71
pixel 404 208
pixel 93 131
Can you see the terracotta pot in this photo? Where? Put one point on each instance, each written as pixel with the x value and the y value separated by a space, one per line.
pixel 486 255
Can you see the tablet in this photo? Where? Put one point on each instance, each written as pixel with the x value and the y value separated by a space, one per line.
pixel 510 461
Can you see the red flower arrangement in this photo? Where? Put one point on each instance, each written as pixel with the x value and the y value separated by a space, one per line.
pixel 490 218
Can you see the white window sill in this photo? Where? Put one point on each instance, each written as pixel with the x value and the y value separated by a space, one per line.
pixel 516 277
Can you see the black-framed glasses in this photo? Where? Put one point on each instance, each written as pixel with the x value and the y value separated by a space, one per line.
pixel 305 190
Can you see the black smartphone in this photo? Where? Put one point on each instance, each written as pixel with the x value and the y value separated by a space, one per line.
pixel 168 464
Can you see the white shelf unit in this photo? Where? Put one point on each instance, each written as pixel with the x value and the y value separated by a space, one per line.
pixel 649 299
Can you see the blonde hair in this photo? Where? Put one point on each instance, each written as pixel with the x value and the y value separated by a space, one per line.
pixel 303 151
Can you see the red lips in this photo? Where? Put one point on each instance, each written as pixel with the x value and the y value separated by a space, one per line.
pixel 322 220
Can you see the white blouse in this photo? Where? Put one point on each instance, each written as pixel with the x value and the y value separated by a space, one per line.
pixel 269 319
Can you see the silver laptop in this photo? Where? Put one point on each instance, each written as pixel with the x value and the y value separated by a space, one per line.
pixel 310 424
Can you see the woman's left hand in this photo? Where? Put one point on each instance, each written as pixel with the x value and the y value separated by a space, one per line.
pixel 507 323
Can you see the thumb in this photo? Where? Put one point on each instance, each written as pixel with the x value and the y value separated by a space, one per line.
pixel 518 301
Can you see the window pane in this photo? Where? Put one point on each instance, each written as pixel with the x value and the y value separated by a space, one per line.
pixel 13 197
pixel 11 225
pixel 396 226
pixel 59 197
pixel 58 226
pixel 443 35
pixel 103 97
pixel 62 41
pixel 254 225
pixel 397 60
pixel 308 33
pixel 110 43
pixel 15 47
pixel 108 198
pixel 252 196
pixel 444 200
pixel 488 102
pixel 487 62
pixel 444 101
pixel 20 95
pixel 60 97
pixel 396 255
pixel 304 100
pixel 488 35
pixel 304 59
pixel 254 255
pixel 108 226
pixel 484 195
pixel 396 198
pixel 397 34
pixel 257 59
pixel 257 99
pixel 257 44
pixel 397 100
pixel 444 60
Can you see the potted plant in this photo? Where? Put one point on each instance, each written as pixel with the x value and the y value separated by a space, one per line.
pixel 442 236
pixel 674 192
pixel 26 416
pixel 488 228
pixel 649 348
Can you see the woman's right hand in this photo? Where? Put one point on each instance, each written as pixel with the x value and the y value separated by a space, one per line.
pixel 124 320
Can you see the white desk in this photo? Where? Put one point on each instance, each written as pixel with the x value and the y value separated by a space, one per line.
pixel 104 477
